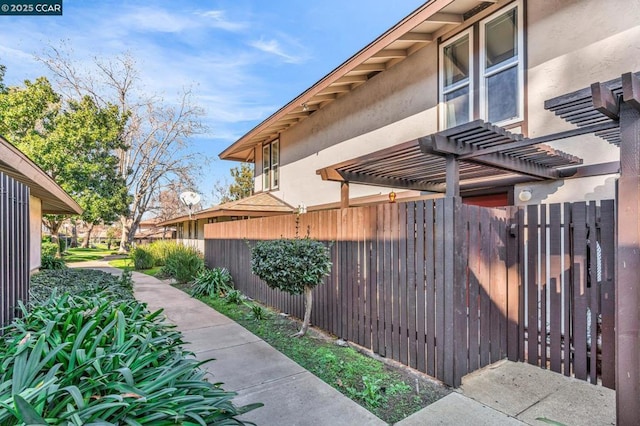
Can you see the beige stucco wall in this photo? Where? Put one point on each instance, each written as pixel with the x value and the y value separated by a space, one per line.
pixel 35 231
pixel 570 44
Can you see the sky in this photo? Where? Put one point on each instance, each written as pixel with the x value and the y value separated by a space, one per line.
pixel 242 59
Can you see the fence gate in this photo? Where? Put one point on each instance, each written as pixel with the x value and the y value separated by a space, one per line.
pixel 567 264
pixel 14 246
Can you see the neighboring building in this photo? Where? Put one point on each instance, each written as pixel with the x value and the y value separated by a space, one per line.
pixel 449 63
pixel 26 193
pixel 190 229
pixel 150 231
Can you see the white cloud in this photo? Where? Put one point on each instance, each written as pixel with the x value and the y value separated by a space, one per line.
pixel 217 19
pixel 275 48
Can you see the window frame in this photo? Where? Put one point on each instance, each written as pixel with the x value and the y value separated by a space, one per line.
pixel 478 88
pixel 271 170
pixel 484 73
pixel 443 91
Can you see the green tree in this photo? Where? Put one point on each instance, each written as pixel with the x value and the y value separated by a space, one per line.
pixel 241 187
pixel 73 142
pixel 295 266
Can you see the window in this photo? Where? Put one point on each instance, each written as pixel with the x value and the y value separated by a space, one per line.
pixel 499 77
pixel 270 163
pixel 456 80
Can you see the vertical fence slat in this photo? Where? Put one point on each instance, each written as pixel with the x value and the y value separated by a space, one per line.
pixel 543 286
pixel 580 290
pixel 430 256
pixel 532 284
pixel 607 241
pixel 555 296
pixel 594 290
pixel 513 308
pixel 412 287
pixel 474 283
pixel 439 289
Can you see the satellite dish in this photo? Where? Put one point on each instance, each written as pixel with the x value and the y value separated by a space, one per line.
pixel 189 199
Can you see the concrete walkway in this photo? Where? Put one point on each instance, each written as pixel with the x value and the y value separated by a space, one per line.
pixel 505 393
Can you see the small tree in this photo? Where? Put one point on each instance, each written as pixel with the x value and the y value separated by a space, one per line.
pixel 293 265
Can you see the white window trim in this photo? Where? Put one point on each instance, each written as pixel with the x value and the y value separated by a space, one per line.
pixel 442 91
pixel 268 175
pixel 483 74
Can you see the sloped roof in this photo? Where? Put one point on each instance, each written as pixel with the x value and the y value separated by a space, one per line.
pixel 433 19
pixel 262 204
pixel 17 165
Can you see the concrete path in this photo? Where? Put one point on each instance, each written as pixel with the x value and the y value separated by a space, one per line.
pixel 504 393
pixel 246 364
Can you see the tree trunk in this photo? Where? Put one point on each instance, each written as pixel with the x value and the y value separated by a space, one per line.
pixel 74 234
pixel 308 301
pixel 87 239
pixel 123 236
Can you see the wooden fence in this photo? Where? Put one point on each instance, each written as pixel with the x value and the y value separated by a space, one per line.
pixel 568 269
pixel 14 246
pixel 437 285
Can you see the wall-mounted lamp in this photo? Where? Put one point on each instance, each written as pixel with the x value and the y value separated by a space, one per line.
pixel 302 208
pixel 392 197
pixel 525 194
pixel 305 107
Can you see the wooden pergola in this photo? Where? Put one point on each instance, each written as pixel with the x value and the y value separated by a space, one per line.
pixel 469 157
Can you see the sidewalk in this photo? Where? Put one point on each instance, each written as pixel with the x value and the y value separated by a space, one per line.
pixel 246 364
pixel 504 393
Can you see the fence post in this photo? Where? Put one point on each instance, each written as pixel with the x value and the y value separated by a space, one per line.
pixel 628 259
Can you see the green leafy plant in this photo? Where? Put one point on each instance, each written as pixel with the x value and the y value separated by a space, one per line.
pixel 233 297
pixel 142 258
pixel 48 261
pixel 257 312
pixel 292 265
pixel 77 361
pixel 183 263
pixel 82 282
pixel 371 392
pixel 160 250
pixel 212 282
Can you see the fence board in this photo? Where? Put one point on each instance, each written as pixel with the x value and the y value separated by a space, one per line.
pixel 607 238
pixel 430 254
pixel 567 291
pixel 532 284
pixel 411 316
pixel 580 290
pixel 543 285
pixel 555 299
pixel 475 265
pixel 594 290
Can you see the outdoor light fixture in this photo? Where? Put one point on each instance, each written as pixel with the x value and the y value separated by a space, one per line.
pixel 392 197
pixel 305 107
pixel 525 195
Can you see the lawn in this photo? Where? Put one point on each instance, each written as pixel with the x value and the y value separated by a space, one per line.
pixel 389 391
pixel 127 263
pixel 85 254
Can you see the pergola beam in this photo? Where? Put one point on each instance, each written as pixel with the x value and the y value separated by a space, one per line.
pixel 605 101
pixel 631 90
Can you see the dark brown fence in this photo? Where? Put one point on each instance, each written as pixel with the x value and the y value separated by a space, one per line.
pixel 440 286
pixel 569 274
pixel 14 246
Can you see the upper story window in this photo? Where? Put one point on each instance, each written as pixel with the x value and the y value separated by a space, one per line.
pixel 270 163
pixel 496 87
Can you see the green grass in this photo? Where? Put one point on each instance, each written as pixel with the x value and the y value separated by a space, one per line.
pixel 86 254
pixel 126 263
pixel 389 393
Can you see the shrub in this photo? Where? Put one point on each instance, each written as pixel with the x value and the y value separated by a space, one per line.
pixel 48 261
pixel 234 297
pixel 183 263
pixel 292 265
pixel 160 250
pixel 49 249
pixel 81 282
pixel 212 282
pixel 142 258
pixel 77 361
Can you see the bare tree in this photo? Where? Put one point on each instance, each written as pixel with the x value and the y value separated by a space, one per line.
pixel 156 137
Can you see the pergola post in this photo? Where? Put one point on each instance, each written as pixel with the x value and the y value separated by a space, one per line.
pixel 453 176
pixel 344 194
pixel 627 319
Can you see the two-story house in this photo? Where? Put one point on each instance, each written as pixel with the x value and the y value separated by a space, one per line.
pixel 449 63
